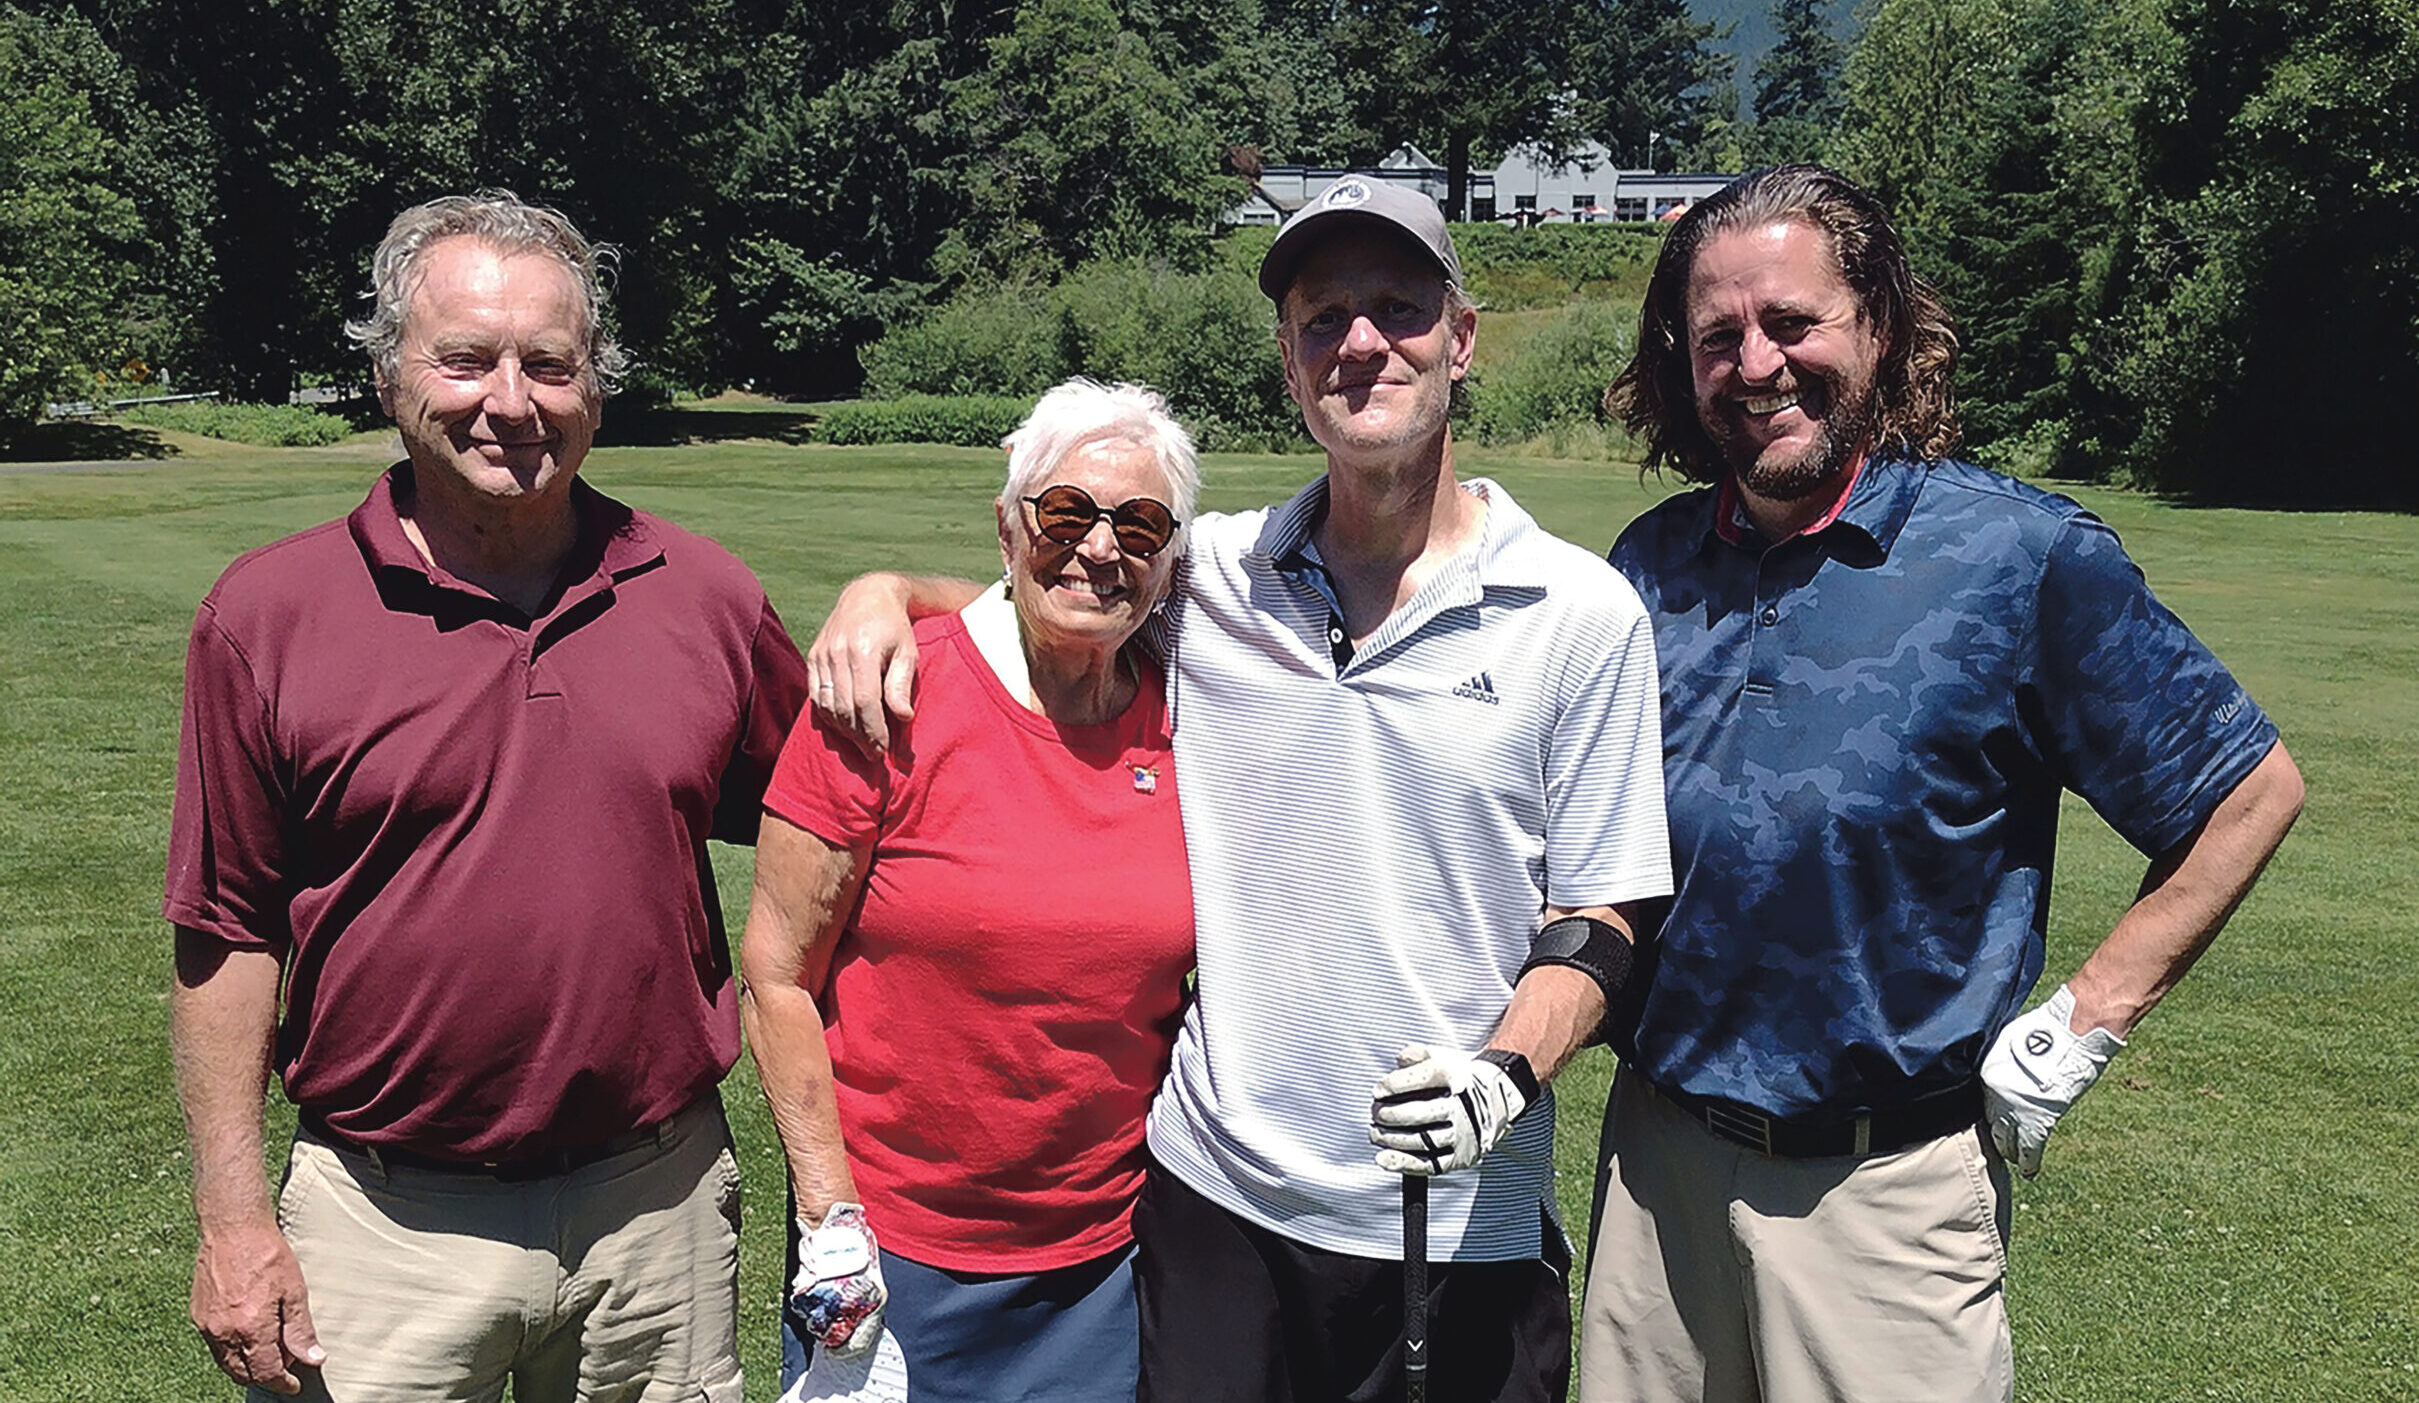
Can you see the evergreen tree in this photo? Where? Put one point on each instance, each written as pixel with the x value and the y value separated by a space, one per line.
pixel 1797 94
pixel 1648 74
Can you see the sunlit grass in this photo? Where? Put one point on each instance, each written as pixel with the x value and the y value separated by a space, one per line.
pixel 2227 1217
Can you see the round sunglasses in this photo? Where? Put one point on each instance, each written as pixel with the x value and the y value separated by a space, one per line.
pixel 1065 513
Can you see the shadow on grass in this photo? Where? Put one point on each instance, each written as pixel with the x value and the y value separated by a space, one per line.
pixel 667 426
pixel 83 441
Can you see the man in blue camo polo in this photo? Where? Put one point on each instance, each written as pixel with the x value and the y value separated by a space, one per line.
pixel 1880 668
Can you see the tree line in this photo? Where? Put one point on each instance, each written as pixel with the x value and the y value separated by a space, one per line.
pixel 2178 233
pixel 786 176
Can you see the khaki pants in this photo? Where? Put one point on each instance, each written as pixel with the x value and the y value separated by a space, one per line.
pixel 1721 1275
pixel 618 1281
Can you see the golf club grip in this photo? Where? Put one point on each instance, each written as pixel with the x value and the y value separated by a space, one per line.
pixel 1415 1288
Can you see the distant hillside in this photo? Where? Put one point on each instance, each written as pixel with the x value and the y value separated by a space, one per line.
pixel 1753 34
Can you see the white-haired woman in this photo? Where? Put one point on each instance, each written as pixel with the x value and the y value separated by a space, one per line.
pixel 965 958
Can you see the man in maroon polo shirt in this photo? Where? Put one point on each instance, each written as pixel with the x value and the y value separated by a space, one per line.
pixel 448 770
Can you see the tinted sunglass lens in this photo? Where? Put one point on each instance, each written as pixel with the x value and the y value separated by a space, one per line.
pixel 1143 526
pixel 1065 514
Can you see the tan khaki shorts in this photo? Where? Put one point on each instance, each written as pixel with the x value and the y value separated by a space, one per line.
pixel 1723 1275
pixel 617 1281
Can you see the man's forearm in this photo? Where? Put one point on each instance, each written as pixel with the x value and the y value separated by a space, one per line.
pixel 222 1015
pixel 2185 900
pixel 925 596
pixel 1556 1010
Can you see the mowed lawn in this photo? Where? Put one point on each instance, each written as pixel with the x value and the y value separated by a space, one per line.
pixel 2228 1217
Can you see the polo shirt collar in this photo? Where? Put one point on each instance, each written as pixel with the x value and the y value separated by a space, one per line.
pixel 1499 562
pixel 1875 507
pixel 614 541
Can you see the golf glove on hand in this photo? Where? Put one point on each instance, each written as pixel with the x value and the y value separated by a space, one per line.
pixel 838 1294
pixel 2034 1072
pixel 1440 1111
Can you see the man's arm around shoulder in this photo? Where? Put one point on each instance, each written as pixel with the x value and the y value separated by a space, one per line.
pixel 862 664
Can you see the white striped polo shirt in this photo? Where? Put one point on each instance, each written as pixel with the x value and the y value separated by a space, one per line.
pixel 1372 846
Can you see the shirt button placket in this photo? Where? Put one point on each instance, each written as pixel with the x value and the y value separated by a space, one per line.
pixel 1763 651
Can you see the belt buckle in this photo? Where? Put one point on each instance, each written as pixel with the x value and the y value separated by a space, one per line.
pixel 1745 1125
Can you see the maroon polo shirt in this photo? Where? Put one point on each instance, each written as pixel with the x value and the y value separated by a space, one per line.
pixel 477 839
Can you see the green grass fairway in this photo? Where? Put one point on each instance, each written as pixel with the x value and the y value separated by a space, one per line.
pixel 2228 1217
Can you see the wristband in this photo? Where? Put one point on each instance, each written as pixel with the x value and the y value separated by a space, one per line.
pixel 1516 1066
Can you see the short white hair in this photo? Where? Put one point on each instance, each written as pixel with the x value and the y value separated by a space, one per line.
pixel 1083 411
pixel 507 224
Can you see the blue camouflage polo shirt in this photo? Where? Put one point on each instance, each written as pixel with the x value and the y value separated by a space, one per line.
pixel 1866 729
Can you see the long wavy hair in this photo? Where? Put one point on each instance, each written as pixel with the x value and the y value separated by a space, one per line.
pixel 1654 396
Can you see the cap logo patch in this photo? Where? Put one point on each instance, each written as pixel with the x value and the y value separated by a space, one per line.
pixel 1344 194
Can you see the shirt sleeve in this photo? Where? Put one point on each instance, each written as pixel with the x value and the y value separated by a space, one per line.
pixel 2137 715
pixel 776 697
pixel 828 787
pixel 227 855
pixel 1606 840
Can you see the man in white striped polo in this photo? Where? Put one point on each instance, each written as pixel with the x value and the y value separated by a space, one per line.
pixel 1417 743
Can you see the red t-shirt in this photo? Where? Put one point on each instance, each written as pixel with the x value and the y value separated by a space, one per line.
pixel 1003 1004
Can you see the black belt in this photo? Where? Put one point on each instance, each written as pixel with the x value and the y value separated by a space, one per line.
pixel 1874 1133
pixel 548 1164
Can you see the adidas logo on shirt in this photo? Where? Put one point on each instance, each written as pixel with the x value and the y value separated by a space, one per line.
pixel 1479 688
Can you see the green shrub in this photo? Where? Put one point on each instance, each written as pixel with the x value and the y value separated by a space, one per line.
pixel 1202 339
pixel 969 421
pixel 997 340
pixel 264 425
pixel 1557 378
pixel 1205 340
pixel 1545 266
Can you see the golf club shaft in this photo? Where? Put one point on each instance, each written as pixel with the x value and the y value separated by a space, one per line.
pixel 1415 1288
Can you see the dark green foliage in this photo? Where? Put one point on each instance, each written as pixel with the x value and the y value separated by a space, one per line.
pixel 1463 78
pixel 1557 378
pixel 1799 78
pixel 1797 85
pixel 1078 147
pixel 70 232
pixel 264 425
pixel 1000 340
pixel 1958 121
pixel 2181 236
pixel 2262 334
pixel 1202 339
pixel 965 421
pixel 1649 74
pixel 1205 340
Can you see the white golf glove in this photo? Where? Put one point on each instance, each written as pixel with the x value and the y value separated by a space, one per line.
pixel 1440 1111
pixel 2034 1072
pixel 838 1294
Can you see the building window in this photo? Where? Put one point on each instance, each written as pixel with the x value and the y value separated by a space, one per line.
pixel 1629 208
pixel 1583 208
pixel 1524 202
pixel 1482 209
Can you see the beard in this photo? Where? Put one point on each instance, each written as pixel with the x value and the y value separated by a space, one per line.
pixel 1846 427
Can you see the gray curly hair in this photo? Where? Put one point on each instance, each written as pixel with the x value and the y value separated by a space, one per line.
pixel 504 222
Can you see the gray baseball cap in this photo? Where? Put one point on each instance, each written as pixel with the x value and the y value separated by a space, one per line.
pixel 1363 199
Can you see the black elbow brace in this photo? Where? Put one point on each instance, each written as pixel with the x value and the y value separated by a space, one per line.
pixel 1592 947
